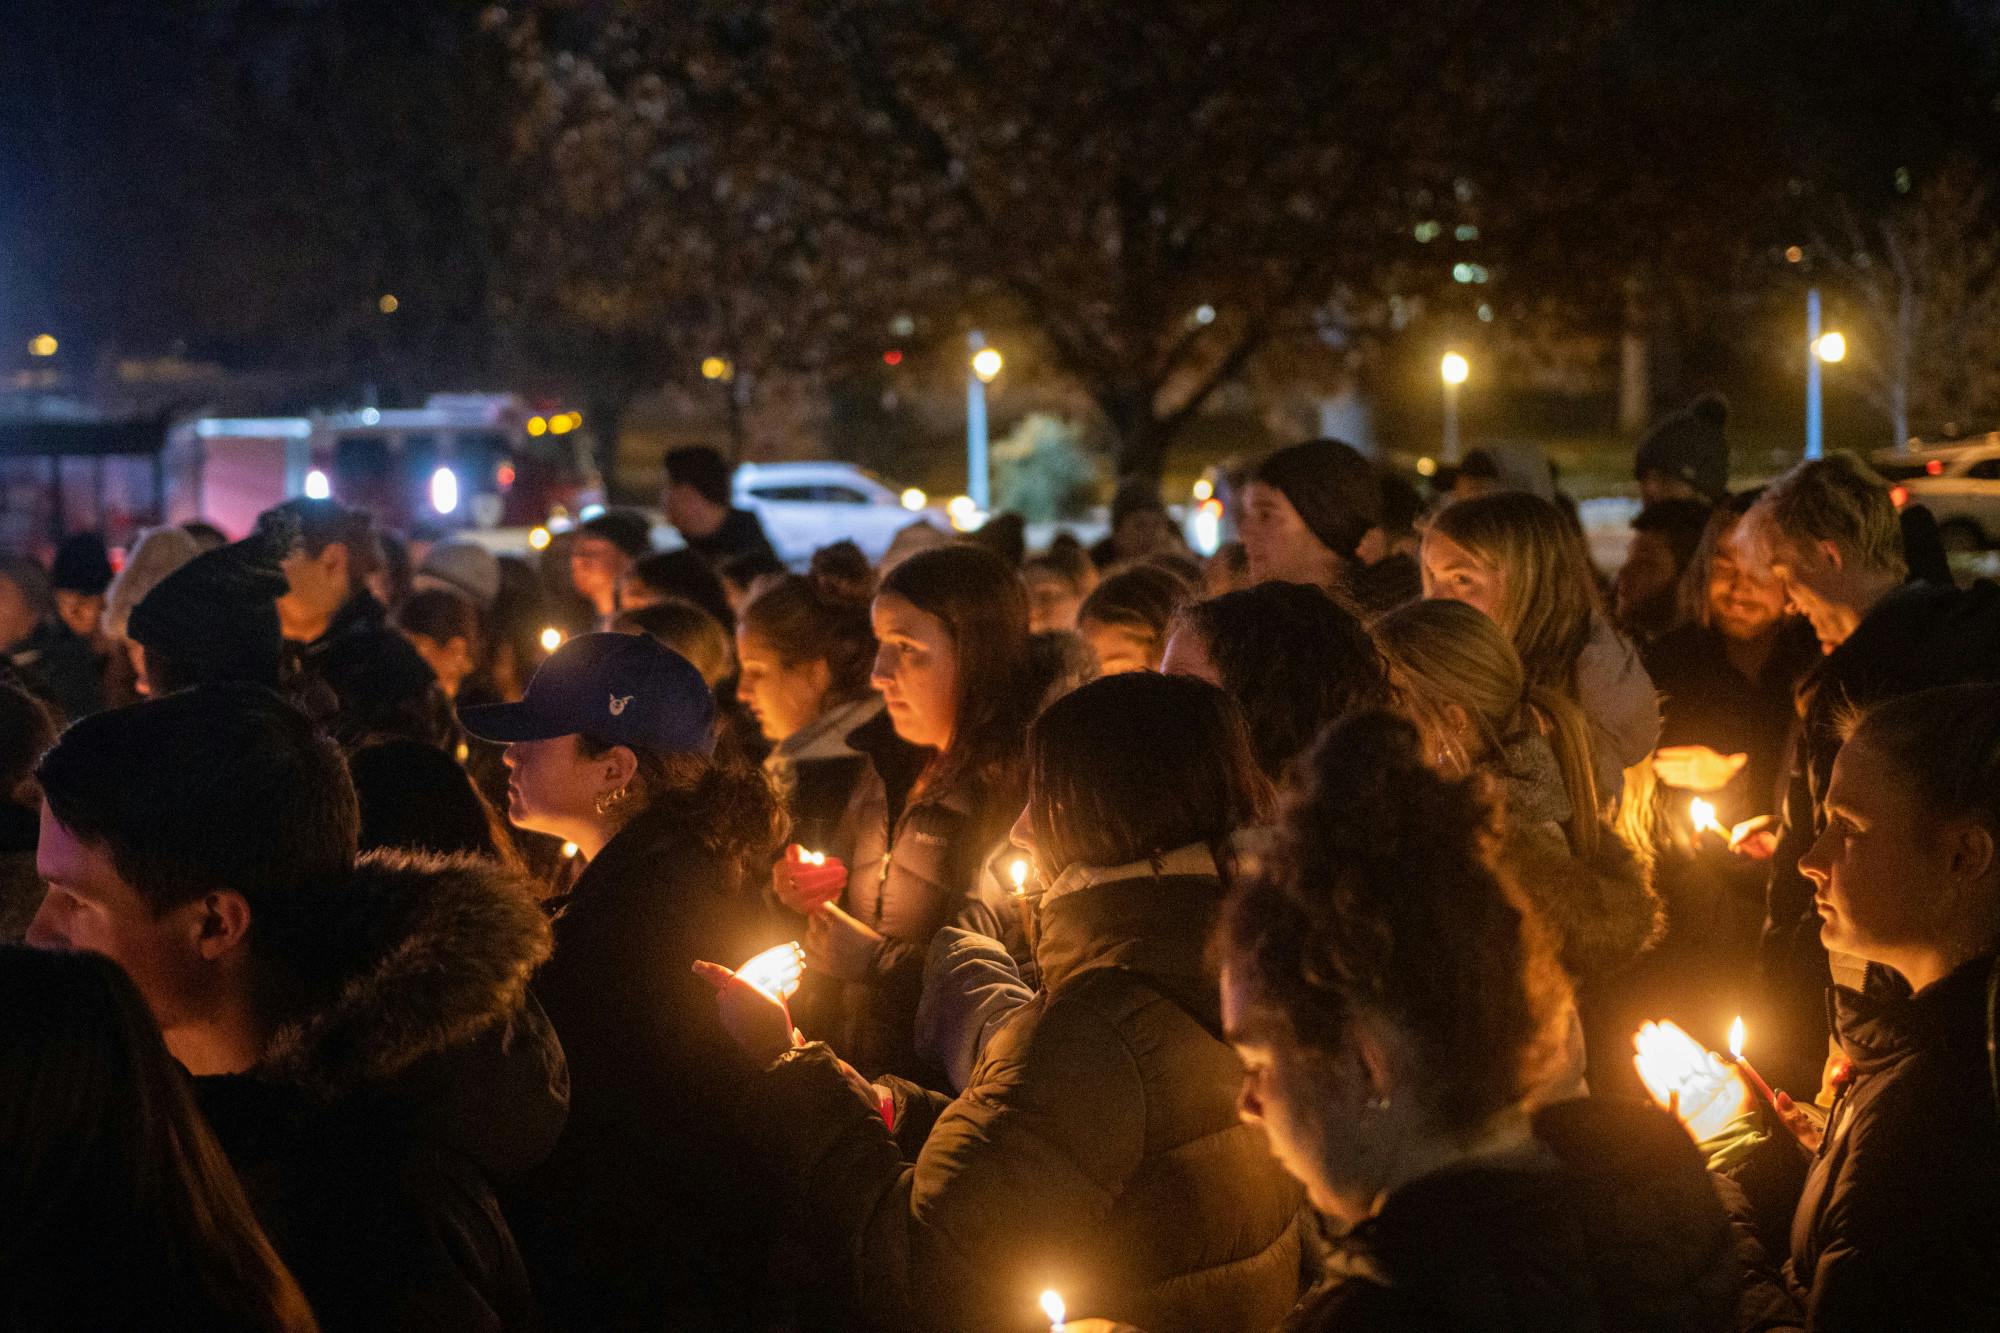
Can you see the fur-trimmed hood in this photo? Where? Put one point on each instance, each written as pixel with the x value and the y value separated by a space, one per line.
pixel 430 953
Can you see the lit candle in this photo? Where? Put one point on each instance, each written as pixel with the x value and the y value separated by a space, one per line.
pixel 812 858
pixel 552 639
pixel 1053 1307
pixel 1749 1071
pixel 569 851
pixel 776 971
pixel 1018 872
pixel 1703 814
pixel 1691 1083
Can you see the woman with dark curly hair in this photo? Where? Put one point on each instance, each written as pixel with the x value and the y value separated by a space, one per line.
pixel 1394 1005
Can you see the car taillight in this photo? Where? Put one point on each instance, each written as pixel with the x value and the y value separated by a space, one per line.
pixel 1899 496
pixel 1935 467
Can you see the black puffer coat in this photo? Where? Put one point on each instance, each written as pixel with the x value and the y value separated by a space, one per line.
pixel 1097 1149
pixel 1610 1224
pixel 1896 1223
pixel 651 1212
pixel 366 1136
pixel 918 851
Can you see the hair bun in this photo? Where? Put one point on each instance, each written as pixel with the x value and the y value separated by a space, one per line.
pixel 841 575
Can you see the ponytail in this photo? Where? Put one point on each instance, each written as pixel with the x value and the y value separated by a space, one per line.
pixel 1563 725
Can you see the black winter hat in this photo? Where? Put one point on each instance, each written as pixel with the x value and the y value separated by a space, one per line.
pixel 216 617
pixel 627 529
pixel 1337 492
pixel 82 565
pixel 1690 445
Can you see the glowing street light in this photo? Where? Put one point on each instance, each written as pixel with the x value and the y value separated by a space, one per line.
pixel 986 363
pixel 552 639
pixel 42 344
pixel 715 368
pixel 1454 370
pixel 444 490
pixel 1831 347
pixel 317 486
pixel 388 305
pixel 1821 349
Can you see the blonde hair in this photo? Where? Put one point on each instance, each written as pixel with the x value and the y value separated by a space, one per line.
pixel 1836 499
pixel 1548 592
pixel 1444 653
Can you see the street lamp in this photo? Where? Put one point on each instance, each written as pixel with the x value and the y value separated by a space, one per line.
pixel 1454 370
pixel 985 364
pixel 1820 347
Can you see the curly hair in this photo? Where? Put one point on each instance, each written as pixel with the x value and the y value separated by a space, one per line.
pixel 1381 895
pixel 727 804
pixel 1292 657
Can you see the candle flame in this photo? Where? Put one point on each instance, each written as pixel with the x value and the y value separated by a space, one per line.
pixel 569 851
pixel 776 971
pixel 1053 1307
pixel 1736 1035
pixel 552 639
pixel 1018 872
pixel 1703 814
pixel 812 858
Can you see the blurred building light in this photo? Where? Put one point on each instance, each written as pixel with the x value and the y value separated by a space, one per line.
pixel 538 538
pixel 964 514
pixel 388 305
pixel 914 499
pixel 714 368
pixel 1793 254
pixel 1461 273
pixel 561 425
pixel 504 475
pixel 538 425
pixel 552 639
pixel 1203 488
pixel 317 486
pixel 588 512
pixel 1485 313
pixel 42 344
pixel 1427 466
pixel 1426 232
pixel 370 416
pixel 444 490
pixel 1204 314
pixel 1465 231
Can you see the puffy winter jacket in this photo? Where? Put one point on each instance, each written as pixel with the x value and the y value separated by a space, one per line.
pixel 918 849
pixel 1618 699
pixel 1609 1223
pixel 1097 1150
pixel 1896 1223
pixel 367 1134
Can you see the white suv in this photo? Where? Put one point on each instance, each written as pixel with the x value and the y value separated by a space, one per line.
pixel 1958 482
pixel 805 506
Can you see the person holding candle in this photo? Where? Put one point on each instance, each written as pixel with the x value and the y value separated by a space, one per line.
pixel 1522 562
pixel 1096 1148
pixel 955 670
pixel 647 1214
pixel 1394 1006
pixel 1892 1222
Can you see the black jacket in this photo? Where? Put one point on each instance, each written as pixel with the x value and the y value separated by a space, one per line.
pixel 917 854
pixel 651 1213
pixel 1611 1224
pixel 366 1136
pixel 58 664
pixel 1096 1150
pixel 1919 637
pixel 741 533
pixel 1896 1220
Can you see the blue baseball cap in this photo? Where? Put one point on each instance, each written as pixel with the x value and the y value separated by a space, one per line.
pixel 627 689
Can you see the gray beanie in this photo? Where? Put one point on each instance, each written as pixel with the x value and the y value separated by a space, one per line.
pixel 157 553
pixel 463 567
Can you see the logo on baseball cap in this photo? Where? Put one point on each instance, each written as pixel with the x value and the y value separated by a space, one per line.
pixel 627 689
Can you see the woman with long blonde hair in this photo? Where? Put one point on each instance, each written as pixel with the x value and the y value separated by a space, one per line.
pixel 1517 559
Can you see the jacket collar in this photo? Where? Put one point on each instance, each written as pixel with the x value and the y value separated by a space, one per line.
pixel 425 953
pixel 826 736
pixel 1152 918
pixel 1949 1016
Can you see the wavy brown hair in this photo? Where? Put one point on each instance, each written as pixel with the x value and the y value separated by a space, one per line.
pixel 1382 896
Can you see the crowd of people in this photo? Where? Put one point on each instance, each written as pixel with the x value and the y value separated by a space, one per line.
pixel 1324 935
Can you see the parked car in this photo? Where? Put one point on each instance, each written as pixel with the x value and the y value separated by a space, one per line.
pixel 805 506
pixel 1959 482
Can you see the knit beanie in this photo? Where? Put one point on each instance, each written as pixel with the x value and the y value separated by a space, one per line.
pixel 464 567
pixel 1335 490
pixel 81 565
pixel 216 617
pixel 1690 445
pixel 157 553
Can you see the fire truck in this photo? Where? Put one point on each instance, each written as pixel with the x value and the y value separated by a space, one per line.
pixel 460 461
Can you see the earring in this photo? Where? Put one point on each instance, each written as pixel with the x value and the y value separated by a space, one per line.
pixel 609 801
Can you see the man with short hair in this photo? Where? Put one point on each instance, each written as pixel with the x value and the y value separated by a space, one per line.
pixel 1829 532
pixel 54 662
pixel 343 1023
pixel 697 502
pixel 606 547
